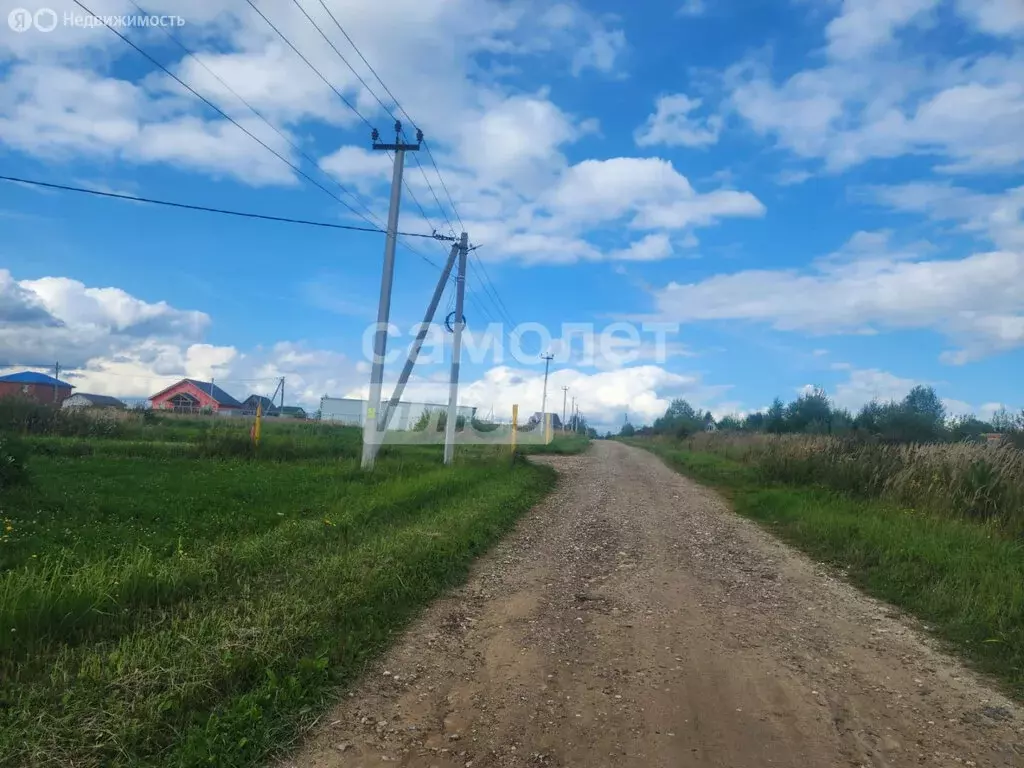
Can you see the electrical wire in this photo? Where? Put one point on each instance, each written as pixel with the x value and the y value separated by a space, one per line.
pixel 222 113
pixel 382 106
pixel 376 221
pixel 343 99
pixel 400 108
pixel 205 208
pixel 327 82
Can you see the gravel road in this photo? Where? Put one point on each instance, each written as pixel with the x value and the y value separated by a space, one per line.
pixel 633 620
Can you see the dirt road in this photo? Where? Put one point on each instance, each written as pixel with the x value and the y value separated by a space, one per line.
pixel 632 620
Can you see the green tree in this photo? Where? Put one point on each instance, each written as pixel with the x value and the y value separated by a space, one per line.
pixel 627 430
pixel 775 419
pixel 811 412
pixel 968 428
pixel 730 424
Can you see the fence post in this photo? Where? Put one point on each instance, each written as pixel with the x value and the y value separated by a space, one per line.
pixel 515 425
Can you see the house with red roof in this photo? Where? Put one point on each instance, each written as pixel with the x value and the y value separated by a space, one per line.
pixel 193 396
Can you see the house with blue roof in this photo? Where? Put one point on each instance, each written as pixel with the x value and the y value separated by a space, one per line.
pixel 35 386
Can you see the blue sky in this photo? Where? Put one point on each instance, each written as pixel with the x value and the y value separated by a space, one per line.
pixel 817 192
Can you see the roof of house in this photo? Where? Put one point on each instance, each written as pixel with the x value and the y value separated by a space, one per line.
pixel 292 410
pixel 252 400
pixel 105 401
pixel 555 420
pixel 31 377
pixel 218 394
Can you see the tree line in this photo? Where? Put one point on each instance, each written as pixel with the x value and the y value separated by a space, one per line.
pixel 919 417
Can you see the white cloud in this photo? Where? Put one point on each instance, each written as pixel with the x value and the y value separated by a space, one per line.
pixel 864 25
pixel 792 177
pixel 692 8
pixel 996 17
pixel 875 98
pixel 647 190
pixel 998 218
pixel 651 248
pixel 672 124
pixel 645 194
pixel 58 100
pixel 601 53
pixel 975 301
pixel 110 342
pixel 862 386
pixel 644 391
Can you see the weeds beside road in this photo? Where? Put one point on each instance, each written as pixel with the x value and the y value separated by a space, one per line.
pixel 175 602
pixel 958 570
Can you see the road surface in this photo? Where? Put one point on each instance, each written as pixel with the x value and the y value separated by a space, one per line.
pixel 633 620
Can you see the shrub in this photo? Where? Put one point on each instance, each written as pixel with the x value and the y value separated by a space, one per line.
pixel 21 415
pixel 965 480
pixel 12 461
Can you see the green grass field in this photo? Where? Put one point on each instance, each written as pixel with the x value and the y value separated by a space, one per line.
pixel 170 602
pixel 962 578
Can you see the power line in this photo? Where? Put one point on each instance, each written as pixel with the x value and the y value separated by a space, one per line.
pixel 308 63
pixel 222 113
pixel 494 291
pixel 382 105
pixel 336 91
pixel 260 115
pixel 204 208
pixel 400 108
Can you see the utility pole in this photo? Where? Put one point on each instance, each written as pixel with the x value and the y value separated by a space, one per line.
pixel 565 390
pixel 414 351
pixel 460 322
pixel 56 379
pixel 371 430
pixel 282 395
pixel 544 399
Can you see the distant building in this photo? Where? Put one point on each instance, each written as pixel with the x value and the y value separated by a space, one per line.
pixel 343 410
pixel 35 386
pixel 84 400
pixel 556 423
pixel 192 396
pixel 294 412
pixel 994 439
pixel 252 402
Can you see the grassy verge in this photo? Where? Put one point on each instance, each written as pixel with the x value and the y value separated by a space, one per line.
pixel 163 609
pixel 563 445
pixel 965 580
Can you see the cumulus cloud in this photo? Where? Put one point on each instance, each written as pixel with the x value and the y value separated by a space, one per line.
pixel 997 218
pixel 643 391
pixel 672 124
pixel 110 342
pixel 872 99
pixel 864 25
pixel 974 301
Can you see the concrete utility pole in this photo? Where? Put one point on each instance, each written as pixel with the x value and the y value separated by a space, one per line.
pixel 565 390
pixel 371 430
pixel 544 399
pixel 414 351
pixel 282 395
pixel 460 322
pixel 56 376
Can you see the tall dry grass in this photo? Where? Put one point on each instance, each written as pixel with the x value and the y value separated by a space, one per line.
pixel 960 480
